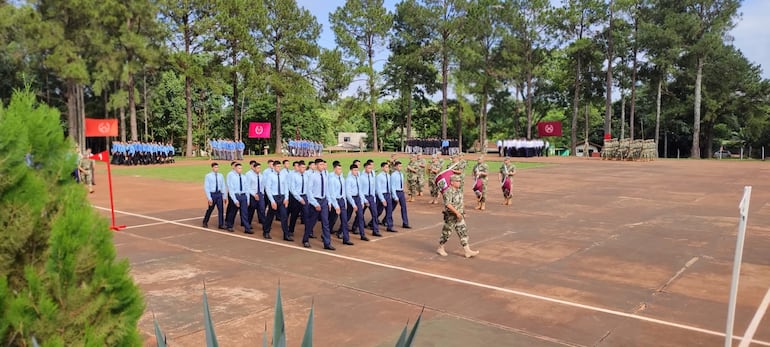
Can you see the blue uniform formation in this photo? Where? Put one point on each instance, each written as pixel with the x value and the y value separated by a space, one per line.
pixel 305 148
pixel 310 193
pixel 225 149
pixel 141 153
pixel 432 146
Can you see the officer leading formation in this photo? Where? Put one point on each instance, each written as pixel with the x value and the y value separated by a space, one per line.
pixel 315 193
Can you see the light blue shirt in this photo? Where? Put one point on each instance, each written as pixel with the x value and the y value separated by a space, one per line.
pixel 272 187
pixel 383 185
pixel 368 183
pixel 212 182
pixel 299 184
pixel 353 188
pixel 336 189
pixel 236 184
pixel 396 184
pixel 318 187
pixel 256 183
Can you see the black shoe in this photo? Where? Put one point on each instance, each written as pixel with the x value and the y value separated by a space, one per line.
pixel 339 235
pixel 205 225
pixel 267 236
pixel 248 232
pixel 377 234
pixel 288 238
pixel 347 243
pixel 364 238
pixel 382 222
pixel 221 227
pixel 369 225
pixel 354 232
pixel 306 244
pixel 391 231
pixel 230 229
pixel 406 226
pixel 311 236
pixel 330 247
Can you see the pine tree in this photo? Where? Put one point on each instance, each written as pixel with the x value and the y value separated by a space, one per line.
pixel 59 280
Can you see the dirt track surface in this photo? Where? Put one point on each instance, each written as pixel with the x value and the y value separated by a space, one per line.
pixel 591 253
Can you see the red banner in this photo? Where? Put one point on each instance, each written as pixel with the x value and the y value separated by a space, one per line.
pixel 101 127
pixel 259 130
pixel 548 129
pixel 103 156
pixel 442 179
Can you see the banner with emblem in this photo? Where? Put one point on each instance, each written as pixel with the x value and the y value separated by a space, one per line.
pixel 548 129
pixel 259 130
pixel 442 179
pixel 101 127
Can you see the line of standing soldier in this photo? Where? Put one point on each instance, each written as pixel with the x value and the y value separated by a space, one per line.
pixel 225 149
pixel 141 153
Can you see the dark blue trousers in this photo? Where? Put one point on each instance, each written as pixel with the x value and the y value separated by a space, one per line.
pixel 297 210
pixel 372 200
pixel 402 204
pixel 258 206
pixel 313 217
pixel 216 201
pixel 243 210
pixel 388 209
pixel 358 222
pixel 280 213
pixel 343 216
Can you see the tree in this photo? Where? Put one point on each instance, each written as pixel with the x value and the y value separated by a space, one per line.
pixel 446 18
pixel 291 36
pixel 189 23
pixel 59 280
pixel 410 71
pixel 360 27
pixel 702 25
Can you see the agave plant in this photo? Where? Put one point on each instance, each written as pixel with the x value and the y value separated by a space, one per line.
pixel 279 327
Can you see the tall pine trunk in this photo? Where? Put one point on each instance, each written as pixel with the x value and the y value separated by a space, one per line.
pixel 529 94
pixel 695 153
pixel 657 114
pixel 608 98
pixel 122 124
pixel 623 118
pixel 144 101
pixel 632 111
pixel 409 116
pixel 188 87
pixel 575 110
pixel 72 111
pixel 373 99
pixel 132 107
pixel 236 124
pixel 444 86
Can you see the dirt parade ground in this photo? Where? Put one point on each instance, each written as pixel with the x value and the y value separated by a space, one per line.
pixel 590 253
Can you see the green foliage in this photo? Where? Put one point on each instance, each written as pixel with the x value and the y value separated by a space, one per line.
pixel 307 339
pixel 61 282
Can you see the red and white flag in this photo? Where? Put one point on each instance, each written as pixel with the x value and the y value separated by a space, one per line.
pixel 103 156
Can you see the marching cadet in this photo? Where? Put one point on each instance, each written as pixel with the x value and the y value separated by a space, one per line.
pixel 357 164
pixel 507 171
pixel 230 208
pixel 420 174
pixel 454 218
pixel 355 198
pixel 276 189
pixel 369 189
pixel 435 168
pixel 338 199
pixel 458 168
pixel 256 193
pixel 397 185
pixel 480 172
pixel 298 202
pixel 318 194
pixel 384 200
pixel 412 171
pixel 214 185
pixel 237 186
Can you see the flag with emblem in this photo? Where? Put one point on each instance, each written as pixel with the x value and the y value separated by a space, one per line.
pixel 548 129
pixel 442 179
pixel 101 127
pixel 259 130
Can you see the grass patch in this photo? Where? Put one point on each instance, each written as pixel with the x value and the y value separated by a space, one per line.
pixel 190 171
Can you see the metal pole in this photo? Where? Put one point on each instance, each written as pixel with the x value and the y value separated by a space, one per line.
pixel 665 144
pixel 744 211
pixel 677 153
pixel 763 152
pixel 741 153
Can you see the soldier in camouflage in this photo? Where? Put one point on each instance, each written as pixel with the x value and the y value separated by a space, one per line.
pixel 435 168
pixel 480 172
pixel 507 171
pixel 454 218
pixel 458 168
pixel 411 177
pixel 421 166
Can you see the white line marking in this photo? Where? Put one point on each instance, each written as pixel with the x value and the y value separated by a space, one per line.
pixel 165 222
pixel 755 321
pixel 457 280
pixel 403 232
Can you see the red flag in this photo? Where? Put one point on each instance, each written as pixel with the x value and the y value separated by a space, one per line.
pixel 442 179
pixel 259 130
pixel 549 129
pixel 101 127
pixel 103 156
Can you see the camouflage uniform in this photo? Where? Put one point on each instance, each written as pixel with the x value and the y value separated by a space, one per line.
pixel 86 165
pixel 505 170
pixel 421 166
pixel 460 166
pixel 454 197
pixel 483 167
pixel 411 177
pixel 434 189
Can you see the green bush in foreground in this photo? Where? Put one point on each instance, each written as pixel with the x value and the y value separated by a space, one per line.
pixel 279 328
pixel 59 281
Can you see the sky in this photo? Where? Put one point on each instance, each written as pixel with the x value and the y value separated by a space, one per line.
pixel 750 35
